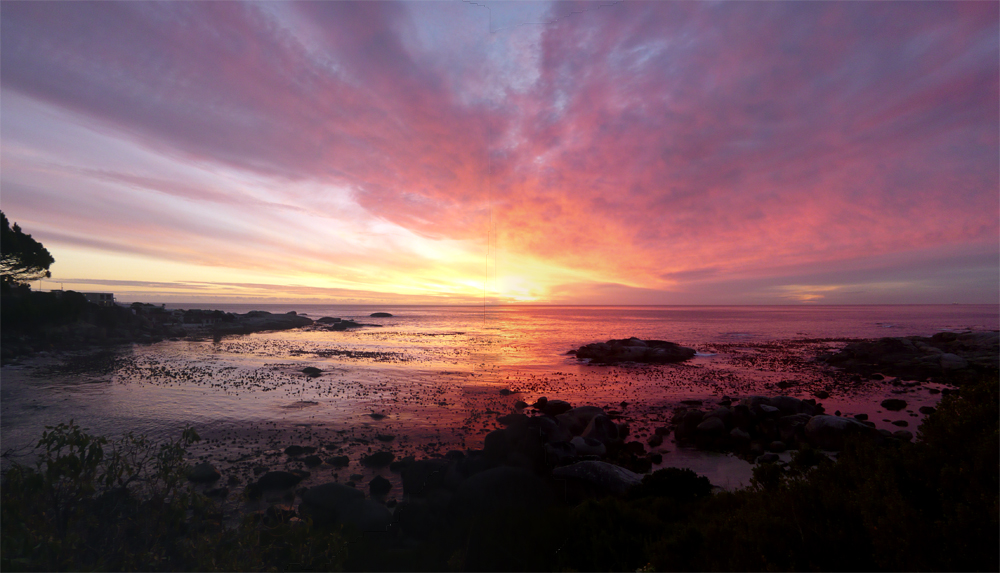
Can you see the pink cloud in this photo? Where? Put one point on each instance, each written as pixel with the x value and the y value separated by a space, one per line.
pixel 662 142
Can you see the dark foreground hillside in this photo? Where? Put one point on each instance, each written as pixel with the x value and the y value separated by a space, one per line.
pixel 930 505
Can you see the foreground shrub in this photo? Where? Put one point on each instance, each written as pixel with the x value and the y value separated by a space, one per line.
pixel 96 504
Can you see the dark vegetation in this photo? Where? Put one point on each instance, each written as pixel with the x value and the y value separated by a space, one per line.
pixel 35 321
pixel 93 503
pixel 22 258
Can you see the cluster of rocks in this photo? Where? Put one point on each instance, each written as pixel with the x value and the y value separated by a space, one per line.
pixel 338 324
pixel 260 321
pixel 557 454
pixel 758 425
pixel 633 350
pixel 945 355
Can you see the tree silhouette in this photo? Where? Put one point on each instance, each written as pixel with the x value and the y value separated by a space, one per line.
pixel 24 259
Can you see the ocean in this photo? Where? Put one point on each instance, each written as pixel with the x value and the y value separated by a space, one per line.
pixel 442 375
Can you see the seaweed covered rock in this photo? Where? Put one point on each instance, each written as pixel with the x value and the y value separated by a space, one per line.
pixel 634 350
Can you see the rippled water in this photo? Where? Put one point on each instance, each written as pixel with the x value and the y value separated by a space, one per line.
pixel 436 373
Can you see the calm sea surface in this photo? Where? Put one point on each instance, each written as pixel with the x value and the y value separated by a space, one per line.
pixel 436 373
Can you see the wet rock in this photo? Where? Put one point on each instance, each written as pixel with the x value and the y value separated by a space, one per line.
pixel 602 429
pixel 203 473
pixel 516 419
pixel 278 480
pixel 549 429
pixel 821 394
pixel 635 448
pixel 654 440
pixel 829 432
pixel 893 404
pixel 927 410
pixel 577 419
pixel 768 410
pixel 312 461
pixel 901 423
pixel 379 486
pixel 496 445
pixel 634 350
pixel 588 446
pixel 903 435
pixel 787 405
pixel 861 417
pixel 339 461
pixel 722 413
pixel 739 436
pixel 312 371
pixel 558 453
pixel 555 407
pixel 605 477
pixel 385 437
pixel 712 427
pixel 380 315
pixel 399 465
pixel 294 451
pixel 331 503
pixel 677 483
pixel 791 429
pixel 953 362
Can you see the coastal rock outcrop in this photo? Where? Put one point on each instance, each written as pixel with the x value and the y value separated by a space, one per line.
pixel 946 355
pixel 634 350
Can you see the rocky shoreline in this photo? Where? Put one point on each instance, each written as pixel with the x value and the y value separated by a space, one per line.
pixel 70 324
pixel 551 452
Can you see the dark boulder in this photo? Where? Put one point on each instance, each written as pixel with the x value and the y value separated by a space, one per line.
pixel 893 404
pixel 602 429
pixel 379 486
pixel 601 476
pixel 378 459
pixel 312 371
pixel 497 445
pixel 203 473
pixel 634 350
pixel 339 461
pixel 556 407
pixel 380 315
pixel 830 432
pixel 279 480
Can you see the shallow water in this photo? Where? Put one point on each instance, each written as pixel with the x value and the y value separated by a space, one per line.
pixel 436 374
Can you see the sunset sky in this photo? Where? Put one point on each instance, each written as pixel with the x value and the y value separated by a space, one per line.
pixel 564 152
